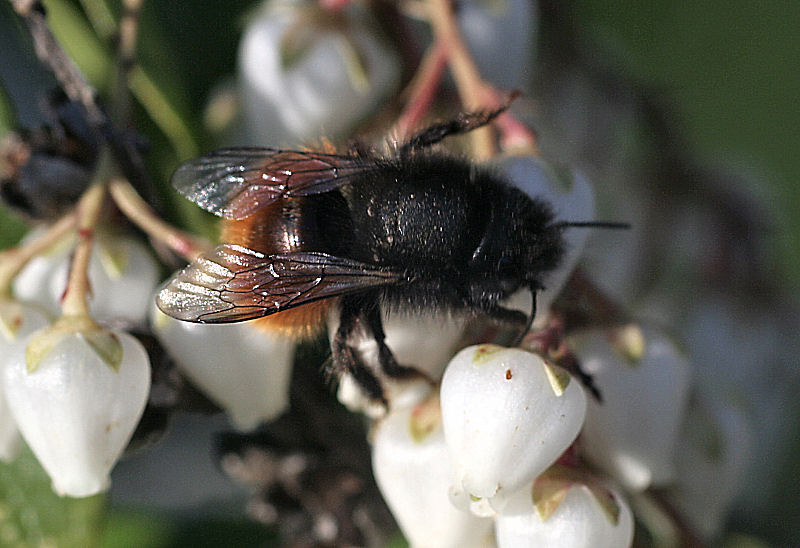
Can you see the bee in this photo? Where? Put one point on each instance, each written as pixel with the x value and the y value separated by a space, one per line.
pixel 416 229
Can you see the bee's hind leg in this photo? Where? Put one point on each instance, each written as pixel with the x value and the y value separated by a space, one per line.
pixel 346 359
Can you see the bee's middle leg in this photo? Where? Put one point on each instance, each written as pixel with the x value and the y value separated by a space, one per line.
pixel 386 358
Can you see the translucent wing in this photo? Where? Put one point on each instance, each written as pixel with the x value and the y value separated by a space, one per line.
pixel 234 283
pixel 234 183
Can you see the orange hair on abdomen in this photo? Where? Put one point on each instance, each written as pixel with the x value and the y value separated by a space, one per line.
pixel 261 232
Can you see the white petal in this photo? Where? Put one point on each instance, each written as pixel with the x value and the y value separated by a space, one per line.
pixel 316 96
pixel 633 432
pixel 32 284
pixel 507 417
pixel 122 272
pixel 75 412
pixel 245 370
pixel 412 469
pixel 716 450
pixel 578 522
pixel 749 354
pixel 502 38
pixel 17 321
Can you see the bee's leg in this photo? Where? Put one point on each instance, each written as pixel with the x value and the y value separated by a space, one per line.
pixel 345 358
pixel 464 123
pixel 513 318
pixel 386 358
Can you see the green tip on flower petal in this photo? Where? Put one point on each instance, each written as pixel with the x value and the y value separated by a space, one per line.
pixel 606 500
pixel 484 352
pixel 40 346
pixel 295 45
pixel 106 345
pixel 356 64
pixel 114 256
pixel 547 494
pixel 559 379
pixel 551 488
pixel 629 343
pixel 425 419
pixel 103 342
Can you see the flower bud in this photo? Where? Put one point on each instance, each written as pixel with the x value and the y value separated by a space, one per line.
pixel 243 369
pixel 748 352
pixel 32 284
pixel 77 392
pixel 565 510
pixel 122 276
pixel 644 379
pixel 712 460
pixel 304 72
pixel 507 416
pixel 17 321
pixel 412 469
pixel 502 38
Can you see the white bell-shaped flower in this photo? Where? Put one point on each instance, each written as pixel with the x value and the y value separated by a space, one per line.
pixel 412 469
pixel 712 461
pixel 77 392
pixel 507 417
pixel 243 369
pixel 32 284
pixel 644 380
pixel 301 77
pixel 749 354
pixel 562 509
pixel 17 321
pixel 572 198
pixel 502 38
pixel 122 274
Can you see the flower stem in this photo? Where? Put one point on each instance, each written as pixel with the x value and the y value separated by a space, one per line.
pixel 477 94
pixel 53 55
pixel 471 87
pixel 137 210
pixel 75 300
pixel 421 91
pixel 127 35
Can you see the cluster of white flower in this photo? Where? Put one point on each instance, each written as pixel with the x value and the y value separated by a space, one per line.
pixel 75 390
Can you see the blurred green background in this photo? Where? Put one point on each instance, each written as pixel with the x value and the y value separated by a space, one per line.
pixel 733 71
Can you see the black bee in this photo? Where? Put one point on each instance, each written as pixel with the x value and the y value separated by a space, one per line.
pixel 414 230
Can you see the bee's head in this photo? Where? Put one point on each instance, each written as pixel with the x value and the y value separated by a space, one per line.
pixel 520 243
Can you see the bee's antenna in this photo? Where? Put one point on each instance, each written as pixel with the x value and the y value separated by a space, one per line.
pixel 594 224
